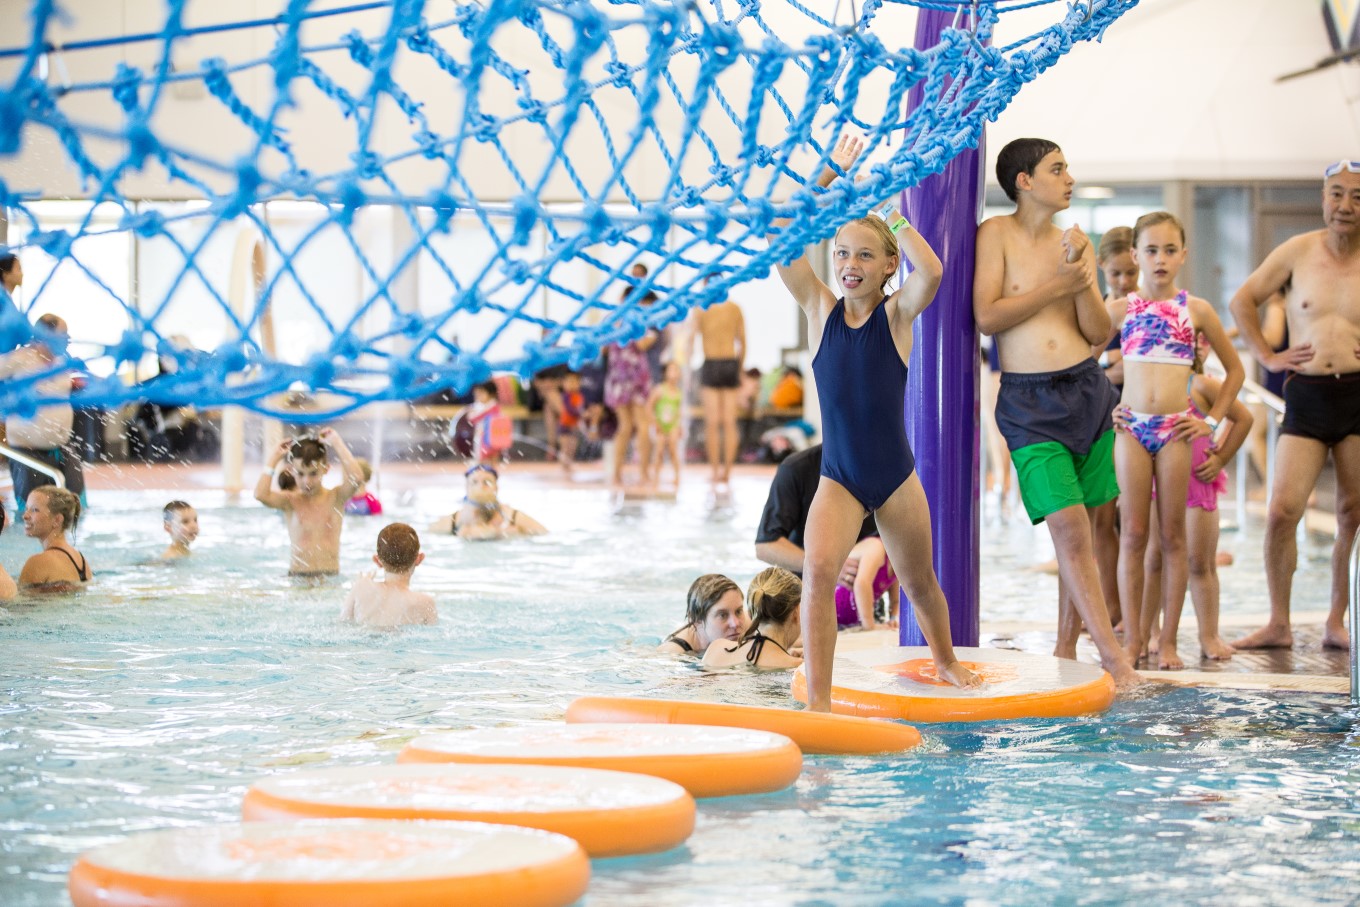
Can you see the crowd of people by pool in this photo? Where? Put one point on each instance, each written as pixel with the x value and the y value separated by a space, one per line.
pixel 1118 435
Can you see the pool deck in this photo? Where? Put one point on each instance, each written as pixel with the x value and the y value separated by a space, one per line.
pixel 1307 667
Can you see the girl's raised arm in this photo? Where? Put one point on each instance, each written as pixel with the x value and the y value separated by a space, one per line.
pixel 798 276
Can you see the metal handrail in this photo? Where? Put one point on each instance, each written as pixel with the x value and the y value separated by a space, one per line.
pixel 1355 619
pixel 46 469
pixel 1254 393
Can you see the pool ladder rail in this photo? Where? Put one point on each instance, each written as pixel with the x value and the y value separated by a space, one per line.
pixel 36 465
pixel 1355 618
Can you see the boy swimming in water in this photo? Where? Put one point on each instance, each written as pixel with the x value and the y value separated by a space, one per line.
pixel 181 524
pixel 391 603
pixel 314 513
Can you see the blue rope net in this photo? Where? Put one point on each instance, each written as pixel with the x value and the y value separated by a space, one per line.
pixel 575 136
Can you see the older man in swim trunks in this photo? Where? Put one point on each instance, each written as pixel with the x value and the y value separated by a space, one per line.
pixel 1319 273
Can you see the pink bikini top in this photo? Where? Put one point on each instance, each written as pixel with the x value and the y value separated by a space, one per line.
pixel 1158 330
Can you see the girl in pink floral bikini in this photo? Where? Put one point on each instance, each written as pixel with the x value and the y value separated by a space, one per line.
pixel 1156 422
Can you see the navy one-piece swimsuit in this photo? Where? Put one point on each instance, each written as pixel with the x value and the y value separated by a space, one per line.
pixel 862 386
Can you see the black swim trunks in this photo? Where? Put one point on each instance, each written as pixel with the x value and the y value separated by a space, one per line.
pixel 1325 408
pixel 720 373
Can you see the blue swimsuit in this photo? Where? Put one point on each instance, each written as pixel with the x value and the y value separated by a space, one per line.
pixel 862 386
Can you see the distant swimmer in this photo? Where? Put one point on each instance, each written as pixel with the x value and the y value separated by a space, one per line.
pixel 180 521
pixel 313 512
pixel 713 611
pixel 390 601
pixel 482 516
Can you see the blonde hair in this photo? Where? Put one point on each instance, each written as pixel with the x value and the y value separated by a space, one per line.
pixel 365 468
pixel 882 232
pixel 1148 221
pixel 1115 241
pixel 63 504
pixel 772 596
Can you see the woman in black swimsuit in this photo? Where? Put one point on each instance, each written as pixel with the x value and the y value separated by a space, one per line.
pixel 713 611
pixel 772 640
pixel 50 513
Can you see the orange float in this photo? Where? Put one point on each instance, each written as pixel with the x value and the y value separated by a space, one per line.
pixel 333 864
pixel 813 732
pixel 900 682
pixel 609 813
pixel 706 761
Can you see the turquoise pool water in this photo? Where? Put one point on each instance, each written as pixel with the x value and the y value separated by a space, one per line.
pixel 155 699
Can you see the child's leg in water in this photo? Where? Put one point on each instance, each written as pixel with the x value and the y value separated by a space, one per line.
pixel 1201 530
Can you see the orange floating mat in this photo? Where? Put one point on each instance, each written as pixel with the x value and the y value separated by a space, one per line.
pixel 706 761
pixel 814 732
pixel 609 813
pixel 900 682
pixel 333 864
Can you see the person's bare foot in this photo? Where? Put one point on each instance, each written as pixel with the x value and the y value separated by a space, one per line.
pixel 1169 659
pixel 1125 677
pixel 1268 637
pixel 1336 637
pixel 1215 649
pixel 959 676
pixel 1154 646
pixel 1224 558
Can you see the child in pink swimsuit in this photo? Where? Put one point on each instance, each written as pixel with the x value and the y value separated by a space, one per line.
pixel 855 607
pixel 1210 455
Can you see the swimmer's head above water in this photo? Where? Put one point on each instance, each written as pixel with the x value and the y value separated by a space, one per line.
pixel 713 608
pixel 482 486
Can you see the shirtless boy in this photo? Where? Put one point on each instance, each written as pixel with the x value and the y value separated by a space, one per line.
pixel 181 524
pixel 1034 289
pixel 314 513
pixel 1319 274
pixel 722 331
pixel 391 603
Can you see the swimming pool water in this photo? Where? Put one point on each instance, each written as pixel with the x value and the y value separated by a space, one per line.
pixel 154 700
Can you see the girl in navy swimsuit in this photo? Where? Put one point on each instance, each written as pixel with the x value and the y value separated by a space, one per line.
pixel 862 338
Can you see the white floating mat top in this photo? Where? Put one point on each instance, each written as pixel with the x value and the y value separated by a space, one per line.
pixel 901 682
pixel 706 761
pixel 336 863
pixel 608 812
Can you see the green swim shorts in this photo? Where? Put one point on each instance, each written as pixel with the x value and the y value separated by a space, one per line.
pixel 1052 477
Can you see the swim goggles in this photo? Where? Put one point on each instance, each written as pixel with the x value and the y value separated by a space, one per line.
pixel 1334 169
pixel 473 469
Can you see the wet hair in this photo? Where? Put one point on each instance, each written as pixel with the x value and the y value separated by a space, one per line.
pixel 307 450
pixel 1020 156
pixel 882 232
pixel 287 481
pixel 772 596
pixel 365 468
pixel 175 507
pixel 1148 221
pixel 7 263
pixel 704 593
pixel 62 503
pixel 488 386
pixel 398 546
pixel 1114 242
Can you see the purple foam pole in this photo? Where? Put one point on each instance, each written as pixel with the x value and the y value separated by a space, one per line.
pixel 942 395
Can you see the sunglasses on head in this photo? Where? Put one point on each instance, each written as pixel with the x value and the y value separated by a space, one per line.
pixel 1334 169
